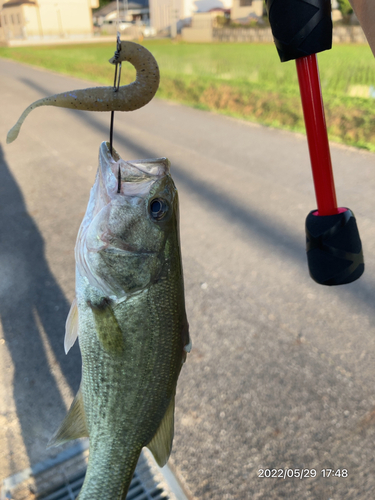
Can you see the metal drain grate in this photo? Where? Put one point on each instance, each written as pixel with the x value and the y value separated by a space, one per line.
pixel 67 491
pixel 61 478
pixel 138 490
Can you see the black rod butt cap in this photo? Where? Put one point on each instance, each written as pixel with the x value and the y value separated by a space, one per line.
pixel 300 27
pixel 334 248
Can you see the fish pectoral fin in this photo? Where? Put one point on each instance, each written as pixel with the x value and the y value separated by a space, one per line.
pixel 161 444
pixel 71 327
pixel 186 340
pixel 108 330
pixel 73 426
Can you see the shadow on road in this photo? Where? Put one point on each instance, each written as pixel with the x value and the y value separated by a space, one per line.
pixel 31 302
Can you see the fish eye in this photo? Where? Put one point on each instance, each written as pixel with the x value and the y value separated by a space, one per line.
pixel 158 208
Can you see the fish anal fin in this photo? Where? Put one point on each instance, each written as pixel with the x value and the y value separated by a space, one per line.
pixel 71 327
pixel 161 444
pixel 73 426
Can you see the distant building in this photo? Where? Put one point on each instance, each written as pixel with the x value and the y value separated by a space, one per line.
pixel 31 19
pixel 201 29
pixel 243 10
pixel 202 23
pixel 129 11
pixel 167 13
pixel 164 13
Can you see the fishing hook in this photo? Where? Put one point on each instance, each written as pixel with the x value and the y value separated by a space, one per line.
pixel 118 180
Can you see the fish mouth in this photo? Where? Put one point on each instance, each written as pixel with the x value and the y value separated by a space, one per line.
pixel 130 178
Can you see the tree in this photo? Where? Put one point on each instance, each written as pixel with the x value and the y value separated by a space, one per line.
pixel 345 9
pixel 102 3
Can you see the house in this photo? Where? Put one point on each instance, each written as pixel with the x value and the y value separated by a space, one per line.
pixel 243 10
pixel 129 11
pixel 202 23
pixel 166 15
pixel 201 27
pixel 41 19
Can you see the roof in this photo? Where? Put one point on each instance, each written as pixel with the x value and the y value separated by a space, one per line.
pixel 14 3
pixel 219 9
pixel 112 6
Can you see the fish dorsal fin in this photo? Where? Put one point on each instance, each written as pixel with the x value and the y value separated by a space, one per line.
pixel 74 424
pixel 71 327
pixel 161 444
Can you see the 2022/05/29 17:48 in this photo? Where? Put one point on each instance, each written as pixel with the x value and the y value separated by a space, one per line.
pixel 301 473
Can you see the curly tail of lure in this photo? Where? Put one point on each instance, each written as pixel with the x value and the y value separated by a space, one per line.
pixel 126 98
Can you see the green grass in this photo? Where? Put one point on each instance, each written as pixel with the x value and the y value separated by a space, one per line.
pixel 243 80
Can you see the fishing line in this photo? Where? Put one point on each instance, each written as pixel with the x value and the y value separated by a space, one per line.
pixel 116 83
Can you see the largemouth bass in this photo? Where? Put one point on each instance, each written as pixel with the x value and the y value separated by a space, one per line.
pixel 129 316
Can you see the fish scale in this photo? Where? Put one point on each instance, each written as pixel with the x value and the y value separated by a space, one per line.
pixel 142 400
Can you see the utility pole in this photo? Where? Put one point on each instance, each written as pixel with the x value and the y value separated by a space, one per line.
pixel 174 12
pixel 39 21
pixel 125 9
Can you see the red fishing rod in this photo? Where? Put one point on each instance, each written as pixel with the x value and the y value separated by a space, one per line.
pixel 300 30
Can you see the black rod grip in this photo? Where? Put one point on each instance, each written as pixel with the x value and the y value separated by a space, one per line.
pixel 334 248
pixel 300 27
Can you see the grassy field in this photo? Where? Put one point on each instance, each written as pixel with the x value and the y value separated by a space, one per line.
pixel 243 80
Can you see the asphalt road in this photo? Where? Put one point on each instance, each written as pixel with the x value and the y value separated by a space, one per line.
pixel 282 371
